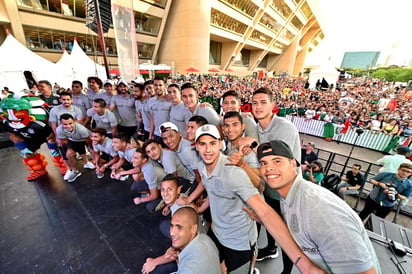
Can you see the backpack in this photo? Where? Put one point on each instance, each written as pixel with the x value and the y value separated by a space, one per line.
pixel 330 181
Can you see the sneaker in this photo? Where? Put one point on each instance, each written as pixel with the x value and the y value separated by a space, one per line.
pixel 124 178
pixel 99 175
pixel 78 156
pixel 74 176
pixel 264 254
pixel 255 271
pixel 89 165
pixel 67 175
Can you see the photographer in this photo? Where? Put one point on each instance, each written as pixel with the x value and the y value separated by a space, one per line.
pixel 351 182
pixel 387 188
pixel 314 172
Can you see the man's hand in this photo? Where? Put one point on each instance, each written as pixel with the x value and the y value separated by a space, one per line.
pixel 236 159
pixel 149 266
pixel 183 201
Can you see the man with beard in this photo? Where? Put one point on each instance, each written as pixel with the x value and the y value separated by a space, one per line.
pixel 178 113
pixel 159 109
pixel 143 115
pixel 124 104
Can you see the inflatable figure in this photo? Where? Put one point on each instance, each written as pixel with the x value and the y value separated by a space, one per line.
pixel 26 121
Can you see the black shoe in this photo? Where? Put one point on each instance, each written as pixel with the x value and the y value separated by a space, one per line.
pixel 264 254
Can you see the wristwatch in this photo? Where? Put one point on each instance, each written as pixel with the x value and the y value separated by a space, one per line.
pixel 253 144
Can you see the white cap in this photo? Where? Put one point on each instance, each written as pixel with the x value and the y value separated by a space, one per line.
pixel 207 129
pixel 166 126
pixel 108 82
pixel 123 82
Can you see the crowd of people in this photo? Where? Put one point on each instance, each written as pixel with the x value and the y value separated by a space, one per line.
pixel 222 172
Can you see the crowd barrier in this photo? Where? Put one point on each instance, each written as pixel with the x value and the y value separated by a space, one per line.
pixel 368 139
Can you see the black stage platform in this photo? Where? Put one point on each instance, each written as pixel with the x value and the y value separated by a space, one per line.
pixel 90 226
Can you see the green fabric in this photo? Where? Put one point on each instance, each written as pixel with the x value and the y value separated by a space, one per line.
pixel 318 176
pixel 328 130
pixel 392 144
pixel 282 112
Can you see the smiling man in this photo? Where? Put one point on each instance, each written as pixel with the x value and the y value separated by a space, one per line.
pixel 229 189
pixel 336 239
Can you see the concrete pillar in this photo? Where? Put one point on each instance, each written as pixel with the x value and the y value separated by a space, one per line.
pixel 187 36
pixel 300 60
pixel 287 59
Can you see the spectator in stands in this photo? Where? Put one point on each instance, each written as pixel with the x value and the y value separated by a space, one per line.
pixel 377 123
pixel 351 182
pixel 388 187
pixel 406 130
pixel 314 172
pixel 390 128
pixel 390 163
pixel 308 155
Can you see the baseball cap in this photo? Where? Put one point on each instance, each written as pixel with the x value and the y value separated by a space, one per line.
pixel 123 82
pixel 108 82
pixel 207 129
pixel 166 126
pixel 275 147
pixel 403 149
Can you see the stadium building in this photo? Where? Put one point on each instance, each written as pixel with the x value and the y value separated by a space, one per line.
pixel 210 35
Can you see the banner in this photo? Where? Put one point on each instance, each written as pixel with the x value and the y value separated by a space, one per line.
pixel 125 34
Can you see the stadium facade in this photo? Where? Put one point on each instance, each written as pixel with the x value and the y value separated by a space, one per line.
pixel 226 35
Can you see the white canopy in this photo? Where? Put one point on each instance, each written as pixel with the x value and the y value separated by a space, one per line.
pixel 16 59
pixel 81 65
pixel 330 74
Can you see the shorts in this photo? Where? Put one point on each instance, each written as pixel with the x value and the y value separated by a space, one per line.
pixel 234 259
pixel 79 147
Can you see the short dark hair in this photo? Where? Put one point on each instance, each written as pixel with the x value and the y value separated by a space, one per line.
pixel 230 93
pixel 173 86
pixel 101 102
pixel 66 116
pixel 232 114
pixel 148 82
pixel 122 137
pixel 142 152
pixel 188 85
pixel 139 86
pixel 199 120
pixel 96 79
pixel 148 142
pixel 100 131
pixel 158 78
pixel 77 82
pixel 45 82
pixel 358 166
pixel 65 93
pixel 266 91
pixel 170 177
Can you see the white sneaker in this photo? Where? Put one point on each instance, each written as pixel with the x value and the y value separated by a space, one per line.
pixel 124 178
pixel 89 165
pixel 67 175
pixel 75 175
pixel 99 175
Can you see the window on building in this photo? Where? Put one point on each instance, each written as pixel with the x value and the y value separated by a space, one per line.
pixel 66 7
pixel 145 50
pixel 221 20
pixel 245 57
pixel 296 22
pixel 146 23
pixel 306 10
pixel 215 53
pixel 281 7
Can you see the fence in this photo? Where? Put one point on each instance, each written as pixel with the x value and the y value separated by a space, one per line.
pixel 375 141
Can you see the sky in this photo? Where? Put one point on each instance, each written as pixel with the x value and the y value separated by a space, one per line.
pixel 363 25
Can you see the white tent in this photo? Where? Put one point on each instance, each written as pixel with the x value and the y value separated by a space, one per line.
pixel 16 59
pixel 330 74
pixel 81 65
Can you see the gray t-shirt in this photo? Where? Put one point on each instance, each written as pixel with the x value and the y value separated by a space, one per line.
pixel 161 110
pixel 178 116
pixel 327 230
pixel 57 111
pixel 143 108
pixel 106 97
pixel 107 120
pixel 82 101
pixel 206 112
pixel 127 154
pixel 93 95
pixel 153 174
pixel 79 133
pixel 187 153
pixel 251 158
pixel 105 147
pixel 126 110
pixel 228 189
pixel 171 163
pixel 199 256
